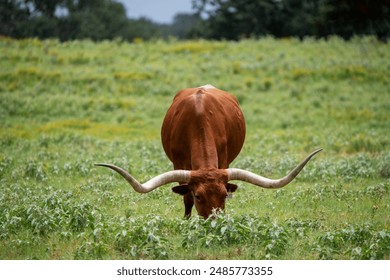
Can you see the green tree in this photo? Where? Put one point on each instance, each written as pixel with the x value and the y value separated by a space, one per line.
pixel 353 17
pixel 13 14
pixel 234 19
pixel 95 19
pixel 184 25
pixel 67 19
pixel 141 28
pixel 45 8
pixel 230 19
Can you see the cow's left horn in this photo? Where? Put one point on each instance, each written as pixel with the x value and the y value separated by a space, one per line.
pixel 181 176
pixel 249 177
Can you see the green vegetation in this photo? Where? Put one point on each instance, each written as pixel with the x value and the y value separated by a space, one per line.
pixel 65 106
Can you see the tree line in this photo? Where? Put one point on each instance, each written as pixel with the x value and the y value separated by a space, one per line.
pixel 235 19
pixel 71 19
pixel 211 19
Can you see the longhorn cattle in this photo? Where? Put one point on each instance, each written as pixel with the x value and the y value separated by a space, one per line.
pixel 202 133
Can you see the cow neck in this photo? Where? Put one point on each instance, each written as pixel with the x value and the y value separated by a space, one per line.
pixel 203 154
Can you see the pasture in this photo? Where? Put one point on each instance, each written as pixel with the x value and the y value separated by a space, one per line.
pixel 66 106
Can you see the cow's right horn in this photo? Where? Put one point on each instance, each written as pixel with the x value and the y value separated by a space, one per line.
pixel 249 177
pixel 181 176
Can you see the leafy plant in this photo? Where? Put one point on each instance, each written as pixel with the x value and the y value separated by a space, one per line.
pixel 142 239
pixel 356 242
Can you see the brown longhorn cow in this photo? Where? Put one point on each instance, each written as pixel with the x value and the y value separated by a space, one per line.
pixel 202 133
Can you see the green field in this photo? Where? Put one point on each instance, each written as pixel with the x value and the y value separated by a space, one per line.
pixel 65 106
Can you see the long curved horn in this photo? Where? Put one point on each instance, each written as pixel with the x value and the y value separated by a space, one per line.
pixel 249 177
pixel 158 181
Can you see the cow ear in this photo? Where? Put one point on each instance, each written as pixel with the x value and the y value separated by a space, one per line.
pixel 231 187
pixel 182 189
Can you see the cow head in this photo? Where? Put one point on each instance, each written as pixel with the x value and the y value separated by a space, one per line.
pixel 209 188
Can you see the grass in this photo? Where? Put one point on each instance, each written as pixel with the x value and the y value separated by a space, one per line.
pixel 65 106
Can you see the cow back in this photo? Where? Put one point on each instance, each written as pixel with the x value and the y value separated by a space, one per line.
pixel 203 129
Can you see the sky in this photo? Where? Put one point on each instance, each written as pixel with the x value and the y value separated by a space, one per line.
pixel 159 11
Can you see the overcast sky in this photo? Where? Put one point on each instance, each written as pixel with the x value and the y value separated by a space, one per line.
pixel 160 11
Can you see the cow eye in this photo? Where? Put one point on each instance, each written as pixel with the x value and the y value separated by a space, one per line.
pixel 197 197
